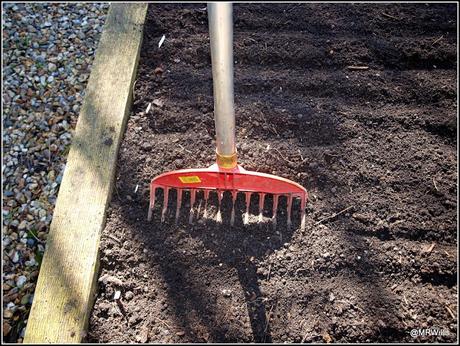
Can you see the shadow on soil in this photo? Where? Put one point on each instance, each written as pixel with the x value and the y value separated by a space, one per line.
pixel 192 281
pixel 235 248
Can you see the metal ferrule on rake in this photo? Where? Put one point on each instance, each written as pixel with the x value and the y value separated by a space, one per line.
pixel 226 174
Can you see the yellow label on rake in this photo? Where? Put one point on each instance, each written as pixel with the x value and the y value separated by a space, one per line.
pixel 190 179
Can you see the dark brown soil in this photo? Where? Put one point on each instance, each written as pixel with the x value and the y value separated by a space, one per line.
pixel 378 143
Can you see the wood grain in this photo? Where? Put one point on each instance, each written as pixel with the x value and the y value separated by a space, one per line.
pixel 66 285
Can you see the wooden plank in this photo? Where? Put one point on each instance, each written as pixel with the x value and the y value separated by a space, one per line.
pixel 65 291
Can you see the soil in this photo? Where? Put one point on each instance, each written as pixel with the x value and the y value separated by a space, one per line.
pixel 375 148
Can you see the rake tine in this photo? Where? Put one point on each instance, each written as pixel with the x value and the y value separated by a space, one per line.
pixel 178 205
pixel 219 201
pixel 275 210
pixel 232 217
pixel 302 213
pixel 289 207
pixel 261 206
pixel 206 196
pixel 165 203
pixel 152 203
pixel 198 210
pixel 192 202
pixel 248 202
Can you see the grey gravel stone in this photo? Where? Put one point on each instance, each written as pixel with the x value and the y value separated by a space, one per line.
pixel 20 281
pixel 44 78
pixel 51 67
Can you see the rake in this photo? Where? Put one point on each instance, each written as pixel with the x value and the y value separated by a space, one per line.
pixel 225 174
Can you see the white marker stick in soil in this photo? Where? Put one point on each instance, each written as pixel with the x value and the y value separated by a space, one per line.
pixel 358 67
pixel 161 41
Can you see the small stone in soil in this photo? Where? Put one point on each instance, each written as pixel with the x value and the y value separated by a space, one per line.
pixel 261 271
pixel 146 145
pixel 226 293
pixel 129 295
pixel 158 102
pixel 105 279
pixel 331 297
pixel 134 319
pixel 117 295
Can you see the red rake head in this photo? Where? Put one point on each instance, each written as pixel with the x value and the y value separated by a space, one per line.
pixel 233 180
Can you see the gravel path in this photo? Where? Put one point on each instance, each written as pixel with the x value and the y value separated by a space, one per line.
pixel 48 52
